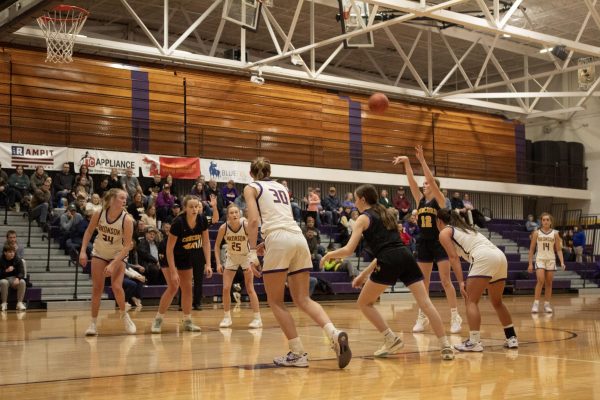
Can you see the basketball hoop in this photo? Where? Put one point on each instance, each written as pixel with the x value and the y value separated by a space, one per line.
pixel 60 26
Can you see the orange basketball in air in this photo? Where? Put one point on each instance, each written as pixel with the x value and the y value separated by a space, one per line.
pixel 378 103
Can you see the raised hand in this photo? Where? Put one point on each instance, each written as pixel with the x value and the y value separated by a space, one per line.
pixel 419 154
pixel 400 159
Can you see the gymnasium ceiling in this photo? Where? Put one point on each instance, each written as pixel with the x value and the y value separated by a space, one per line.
pixel 497 45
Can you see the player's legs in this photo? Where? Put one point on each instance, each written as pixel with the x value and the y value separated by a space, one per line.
pixel 475 288
pixel 298 284
pixel 426 268
pixel 495 291
pixel 98 278
pixel 167 297
pixel 275 287
pixel 185 283
pixel 228 276
pixel 444 270
pixel 116 282
pixel 548 278
pixel 249 282
pixel 540 274
pixel 366 302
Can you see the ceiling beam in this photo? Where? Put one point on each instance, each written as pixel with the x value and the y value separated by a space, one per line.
pixel 483 25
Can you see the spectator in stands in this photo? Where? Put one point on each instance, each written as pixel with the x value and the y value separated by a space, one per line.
pixel 82 188
pixel 162 246
pixel 531 225
pixel 405 237
pixel 229 193
pixel 458 206
pixel 37 178
pixel 95 204
pixel 77 231
pixel 41 204
pixel 81 203
pixel 149 217
pixel 240 202
pixel 68 221
pixel 11 240
pixel 114 182
pixel 139 231
pixel 384 200
pixel 164 203
pixel 344 228
pixel 411 227
pixel 20 183
pixel 578 243
pixel 313 245
pixel 155 186
pixel 147 251
pixel 175 211
pixel 136 207
pixel 401 203
pixel 213 190
pixel 4 189
pixel 130 183
pixel 332 206
pixel 340 265
pixel 102 187
pixel 63 183
pixel 314 201
pixel 348 200
pixel 469 208
pixel 296 210
pixel 11 276
pixel 448 204
pixel 88 182
pixel 567 247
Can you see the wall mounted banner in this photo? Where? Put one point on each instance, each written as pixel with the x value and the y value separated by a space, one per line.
pixel 223 171
pixel 101 161
pixel 31 156
pixel 180 167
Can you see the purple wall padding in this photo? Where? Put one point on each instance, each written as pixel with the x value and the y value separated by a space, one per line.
pixel 140 111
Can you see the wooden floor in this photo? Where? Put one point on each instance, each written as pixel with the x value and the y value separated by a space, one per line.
pixel 43 355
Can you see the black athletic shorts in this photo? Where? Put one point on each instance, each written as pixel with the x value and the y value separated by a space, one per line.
pixel 430 250
pixel 394 265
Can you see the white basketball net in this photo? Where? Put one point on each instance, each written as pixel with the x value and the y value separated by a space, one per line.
pixel 61 26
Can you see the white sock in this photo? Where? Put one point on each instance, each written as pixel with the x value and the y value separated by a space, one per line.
pixel 94 319
pixel 475 336
pixel 159 315
pixel 454 311
pixel 536 302
pixel 546 303
pixel 227 314
pixel 444 341
pixel 187 317
pixel 389 335
pixel 295 345
pixel 256 315
pixel 329 329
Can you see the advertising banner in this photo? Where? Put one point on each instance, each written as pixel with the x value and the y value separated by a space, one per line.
pixel 223 171
pixel 102 161
pixel 31 156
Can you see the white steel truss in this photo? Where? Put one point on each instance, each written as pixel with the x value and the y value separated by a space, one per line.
pixel 322 62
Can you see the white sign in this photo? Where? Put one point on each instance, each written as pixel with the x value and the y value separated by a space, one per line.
pixel 223 171
pixel 31 156
pixel 102 161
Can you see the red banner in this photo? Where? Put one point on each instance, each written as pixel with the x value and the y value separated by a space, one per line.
pixel 180 167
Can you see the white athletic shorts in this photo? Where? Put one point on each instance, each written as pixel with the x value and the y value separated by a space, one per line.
pixel 548 265
pixel 286 250
pixel 489 263
pixel 235 261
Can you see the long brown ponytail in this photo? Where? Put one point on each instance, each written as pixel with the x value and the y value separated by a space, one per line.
pixel 452 218
pixel 369 193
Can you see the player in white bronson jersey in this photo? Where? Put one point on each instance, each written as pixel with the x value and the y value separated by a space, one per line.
pixel 548 243
pixel 111 247
pixel 287 258
pixel 234 233
pixel 488 270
